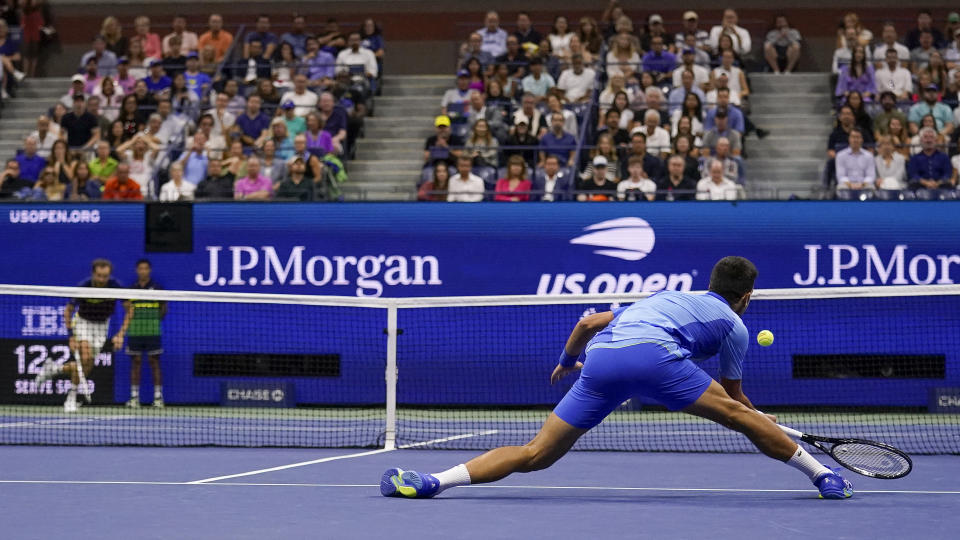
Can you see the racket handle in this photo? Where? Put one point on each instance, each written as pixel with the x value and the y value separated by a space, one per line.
pixel 790 431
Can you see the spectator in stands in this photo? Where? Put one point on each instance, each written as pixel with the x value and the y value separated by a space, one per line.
pixel 521 137
pixel 271 164
pixel 311 156
pixel 217 184
pixel 638 186
pixel 742 43
pixel 952 53
pixel 920 55
pixel 268 40
pixel 475 74
pixel 937 69
pixel 691 26
pixel 140 153
pixel 701 75
pixel 77 84
pixel 223 119
pixel 690 116
pixel 622 58
pixel 121 187
pixel 515 186
pixel 537 82
pixel 257 65
pixel 137 62
pixel 900 135
pixel 494 37
pixel 458 95
pixel 188 39
pixel 893 77
pixel 856 168
pixel 684 145
pixel 252 123
pixel 736 80
pixel 605 148
pixel 558 142
pixel 194 159
pixel 112 34
pixel 295 124
pixel 590 35
pixel 172 125
pixel 356 58
pixel 731 163
pixel 253 186
pixel 652 164
pixel 888 104
pixel 197 81
pixel 152 46
pixel 216 36
pixel 91 80
pixel 860 114
pixel 283 143
pixel 48 188
pixel 782 46
pixel 715 186
pixel 103 165
pixel 334 120
pixel 888 40
pixel 616 84
pixel 929 169
pixel 110 99
pixel 332 40
pixel 301 97
pixel 443 144
pixel 926 122
pixel 177 189
pixel 560 36
pixel 941 112
pixel 843 55
pixel 526 35
pixel 659 61
pixel 856 76
pixel 891 170
pixel 184 100
pixel 46 135
pixel 62 161
pixel 123 79
pixel 473 48
pixel 721 130
pixel 132 117
pixel 83 129
pixel 465 186
pixel 315 140
pixel 675 185
pixel 297 36
pixel 679 94
pixel 924 25
pixel 236 103
pixel 554 184
pixel 436 188
pixel 569 119
pixel 529 110
pixel 596 186
pixel 106 60
pixel 576 47
pixel 481 146
pixel 11 182
pixel 611 126
pixel 577 82
pixel 851 26
pixel 295 184
pixel 157 81
pixel 83 186
pixel 657 138
pixel 31 163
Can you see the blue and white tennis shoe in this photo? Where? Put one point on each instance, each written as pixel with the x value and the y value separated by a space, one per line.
pixel 410 484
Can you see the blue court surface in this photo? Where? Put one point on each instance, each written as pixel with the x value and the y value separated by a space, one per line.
pixel 123 492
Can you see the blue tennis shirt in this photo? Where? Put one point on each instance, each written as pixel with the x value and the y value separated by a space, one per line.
pixel 700 325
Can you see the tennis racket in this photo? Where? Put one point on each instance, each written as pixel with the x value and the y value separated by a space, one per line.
pixel 82 386
pixel 869 458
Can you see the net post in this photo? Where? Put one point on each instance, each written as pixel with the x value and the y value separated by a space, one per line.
pixel 391 378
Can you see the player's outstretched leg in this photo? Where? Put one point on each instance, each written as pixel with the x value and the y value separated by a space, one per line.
pixel 555 439
pixel 716 405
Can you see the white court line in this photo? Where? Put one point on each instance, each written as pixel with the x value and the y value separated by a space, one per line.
pixel 345 456
pixel 503 487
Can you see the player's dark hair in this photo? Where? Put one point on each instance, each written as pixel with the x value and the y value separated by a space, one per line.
pixel 143 261
pixel 99 263
pixel 732 277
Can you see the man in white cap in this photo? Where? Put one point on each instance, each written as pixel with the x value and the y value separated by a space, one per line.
pixel 77 84
pixel 690 26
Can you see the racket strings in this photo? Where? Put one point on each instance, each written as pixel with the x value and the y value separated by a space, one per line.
pixel 872 459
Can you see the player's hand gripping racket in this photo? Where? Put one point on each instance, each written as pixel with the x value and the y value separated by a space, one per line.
pixel 83 388
pixel 869 458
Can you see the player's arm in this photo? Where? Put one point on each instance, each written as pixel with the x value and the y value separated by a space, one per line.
pixel 68 323
pixel 127 317
pixel 582 333
pixel 732 351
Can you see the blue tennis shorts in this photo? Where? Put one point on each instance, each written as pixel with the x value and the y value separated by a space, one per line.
pixel 611 376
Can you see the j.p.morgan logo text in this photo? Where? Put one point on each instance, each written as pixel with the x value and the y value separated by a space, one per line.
pixel 865 265
pixel 252 266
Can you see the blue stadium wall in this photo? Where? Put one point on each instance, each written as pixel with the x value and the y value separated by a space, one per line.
pixel 487 249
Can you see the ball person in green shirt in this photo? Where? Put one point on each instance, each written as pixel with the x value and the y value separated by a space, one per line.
pixel 143 336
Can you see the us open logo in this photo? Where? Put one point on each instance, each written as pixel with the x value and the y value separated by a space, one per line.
pixel 629 238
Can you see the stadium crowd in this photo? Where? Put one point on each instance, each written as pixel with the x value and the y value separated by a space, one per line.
pixel 896 110
pixel 202 114
pixel 601 110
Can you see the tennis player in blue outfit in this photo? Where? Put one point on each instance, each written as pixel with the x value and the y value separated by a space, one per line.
pixel 648 348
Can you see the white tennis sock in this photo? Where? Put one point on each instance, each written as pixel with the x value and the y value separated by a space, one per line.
pixel 457 476
pixel 807 464
pixel 157 391
pixel 134 391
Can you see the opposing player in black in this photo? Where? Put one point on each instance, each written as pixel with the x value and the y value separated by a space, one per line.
pixel 143 337
pixel 88 320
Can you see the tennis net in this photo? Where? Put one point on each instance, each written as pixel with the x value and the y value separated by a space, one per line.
pixel 465 373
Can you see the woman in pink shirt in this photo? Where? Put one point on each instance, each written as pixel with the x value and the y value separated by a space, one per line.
pixel 514 187
pixel 254 186
pixel 150 41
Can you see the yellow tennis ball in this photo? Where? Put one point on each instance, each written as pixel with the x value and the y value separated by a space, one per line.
pixel 765 338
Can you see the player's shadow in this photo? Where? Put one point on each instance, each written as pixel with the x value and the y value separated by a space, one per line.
pixel 727 500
